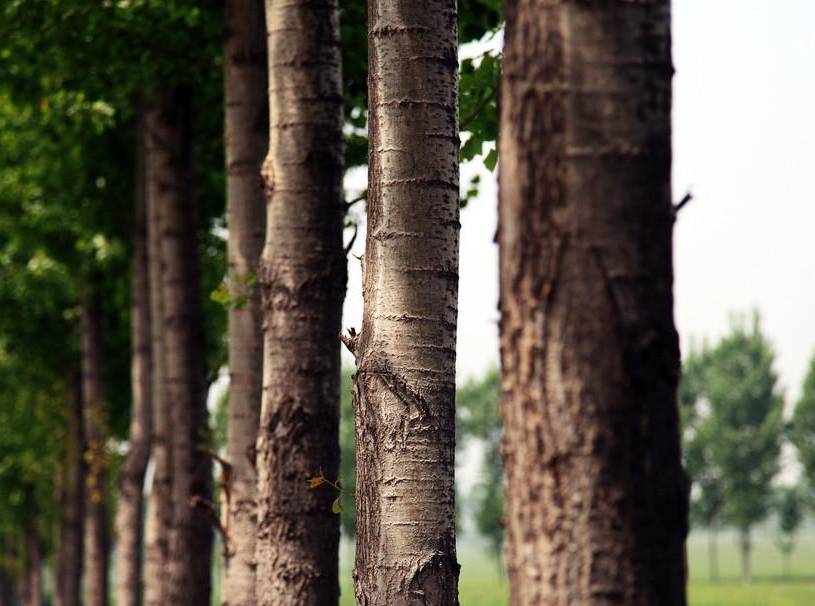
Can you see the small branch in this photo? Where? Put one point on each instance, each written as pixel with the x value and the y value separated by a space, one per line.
pixel 681 204
pixel 350 244
pixel 208 508
pixel 478 108
pixel 359 198
pixel 350 340
pixel 225 465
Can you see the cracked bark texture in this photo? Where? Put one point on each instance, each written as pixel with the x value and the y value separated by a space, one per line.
pixel 404 389
pixel 303 275
pixel 246 140
pixel 97 541
pixel 70 548
pixel 190 545
pixel 596 504
pixel 129 504
pixel 160 505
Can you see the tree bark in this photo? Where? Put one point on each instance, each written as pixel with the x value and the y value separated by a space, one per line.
pixel 97 541
pixel 70 549
pixel 31 593
pixel 596 497
pixel 190 546
pixel 129 508
pixel 745 547
pixel 303 283
pixel 247 140
pixel 160 506
pixel 404 389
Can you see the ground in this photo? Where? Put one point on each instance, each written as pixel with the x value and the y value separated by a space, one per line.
pixel 482 585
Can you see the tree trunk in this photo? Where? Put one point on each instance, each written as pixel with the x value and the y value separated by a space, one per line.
pixel 95 417
pixel 785 564
pixel 247 140
pixel 32 574
pixel 70 548
pixel 303 282
pixel 160 506
pixel 713 554
pixel 190 546
pixel 745 546
pixel 404 389
pixel 596 497
pixel 131 475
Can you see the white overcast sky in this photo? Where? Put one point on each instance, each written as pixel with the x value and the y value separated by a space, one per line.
pixel 744 143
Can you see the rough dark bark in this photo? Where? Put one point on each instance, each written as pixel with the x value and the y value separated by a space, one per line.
pixel 160 505
pixel 596 504
pixel 246 140
pixel 404 389
pixel 97 541
pixel 72 505
pixel 303 282
pixel 129 506
pixel 190 546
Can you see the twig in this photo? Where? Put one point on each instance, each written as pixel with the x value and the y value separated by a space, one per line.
pixel 359 198
pixel 217 458
pixel 681 204
pixel 478 108
pixel 206 505
pixel 350 340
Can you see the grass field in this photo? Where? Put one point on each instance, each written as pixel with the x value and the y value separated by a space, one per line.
pixel 482 585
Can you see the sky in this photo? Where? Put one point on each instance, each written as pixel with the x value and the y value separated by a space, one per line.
pixel 744 145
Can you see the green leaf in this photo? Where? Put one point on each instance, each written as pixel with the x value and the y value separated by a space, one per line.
pixel 491 160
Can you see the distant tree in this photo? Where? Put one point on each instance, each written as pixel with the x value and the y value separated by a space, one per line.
pixel 745 426
pixel 347 454
pixel 706 490
pixel 802 431
pixel 477 417
pixel 790 516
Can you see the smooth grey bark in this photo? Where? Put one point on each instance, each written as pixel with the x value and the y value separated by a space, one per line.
pixel 303 275
pixel 160 507
pixel 129 504
pixel 404 389
pixel 97 541
pixel 190 546
pixel 596 507
pixel 69 556
pixel 246 137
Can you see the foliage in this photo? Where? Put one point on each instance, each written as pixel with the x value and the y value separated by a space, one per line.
pixel 790 516
pixel 697 441
pixel 732 425
pixel 802 430
pixel 477 418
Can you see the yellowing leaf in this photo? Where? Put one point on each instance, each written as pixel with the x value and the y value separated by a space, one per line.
pixel 316 481
pixel 336 506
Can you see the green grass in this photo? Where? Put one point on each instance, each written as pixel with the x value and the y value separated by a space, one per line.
pixel 481 584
